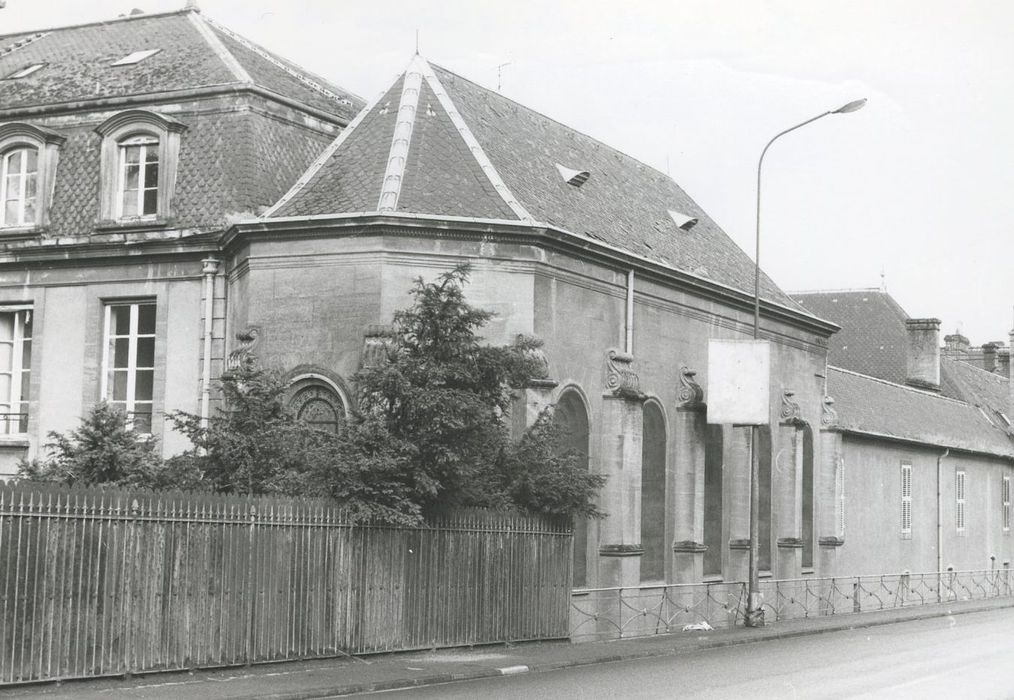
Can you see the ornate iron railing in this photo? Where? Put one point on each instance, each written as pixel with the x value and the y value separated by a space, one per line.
pixel 636 611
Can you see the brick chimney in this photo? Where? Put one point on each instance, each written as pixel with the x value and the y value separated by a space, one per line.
pixel 989 356
pixel 1003 362
pixel 923 353
pixel 955 345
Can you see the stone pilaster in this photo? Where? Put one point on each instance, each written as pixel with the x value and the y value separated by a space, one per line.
pixel 830 483
pixel 686 483
pixel 621 429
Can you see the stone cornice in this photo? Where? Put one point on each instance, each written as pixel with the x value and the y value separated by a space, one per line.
pixel 517 231
pixel 689 547
pixel 621 550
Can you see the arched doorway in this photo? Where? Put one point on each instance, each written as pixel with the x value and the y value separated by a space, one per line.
pixel 653 514
pixel 572 417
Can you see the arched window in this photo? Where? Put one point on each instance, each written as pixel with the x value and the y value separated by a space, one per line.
pixel 807 528
pixel 318 401
pixel 28 158
pixel 572 417
pixel 19 174
pixel 713 460
pixel 653 513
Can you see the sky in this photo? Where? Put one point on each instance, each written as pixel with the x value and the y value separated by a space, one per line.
pixel 912 193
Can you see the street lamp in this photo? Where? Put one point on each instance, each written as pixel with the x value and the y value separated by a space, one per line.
pixel 754 612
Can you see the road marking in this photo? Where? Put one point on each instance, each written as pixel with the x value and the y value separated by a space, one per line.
pixel 511 670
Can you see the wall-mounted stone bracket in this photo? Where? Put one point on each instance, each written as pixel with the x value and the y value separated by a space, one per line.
pixel 828 416
pixel 621 380
pixel 790 413
pixel 691 395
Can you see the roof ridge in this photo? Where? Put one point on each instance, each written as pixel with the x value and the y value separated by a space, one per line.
pixel 220 49
pixel 30 39
pixel 476 149
pixel 955 361
pixel 124 18
pixel 329 151
pixel 922 392
pixel 282 65
pixel 601 143
pixel 856 290
pixel 401 136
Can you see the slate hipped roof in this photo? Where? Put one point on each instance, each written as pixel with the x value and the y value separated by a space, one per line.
pixel 194 52
pixel 438 144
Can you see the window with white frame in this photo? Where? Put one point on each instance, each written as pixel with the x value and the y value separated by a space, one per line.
pixel 906 498
pixel 1005 503
pixel 128 363
pixel 19 176
pixel 137 190
pixel 15 368
pixel 959 500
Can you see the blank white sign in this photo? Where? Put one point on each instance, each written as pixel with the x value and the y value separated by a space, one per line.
pixel 739 382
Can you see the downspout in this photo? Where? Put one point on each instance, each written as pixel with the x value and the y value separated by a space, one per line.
pixel 210 269
pixel 629 347
pixel 940 516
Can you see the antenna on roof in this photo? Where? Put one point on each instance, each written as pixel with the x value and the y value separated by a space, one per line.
pixel 883 280
pixel 417 41
pixel 499 75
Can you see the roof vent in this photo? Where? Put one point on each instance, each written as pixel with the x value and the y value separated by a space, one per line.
pixel 26 71
pixel 573 177
pixel 682 220
pixel 136 57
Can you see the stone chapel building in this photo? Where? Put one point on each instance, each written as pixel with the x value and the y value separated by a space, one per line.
pixel 174 194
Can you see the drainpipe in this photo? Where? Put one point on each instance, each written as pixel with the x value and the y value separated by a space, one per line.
pixel 940 518
pixel 210 269
pixel 629 348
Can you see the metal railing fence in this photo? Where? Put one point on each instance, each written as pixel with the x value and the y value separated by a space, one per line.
pixel 635 611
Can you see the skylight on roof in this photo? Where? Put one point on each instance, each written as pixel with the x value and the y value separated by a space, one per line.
pixel 682 220
pixel 136 57
pixel 572 176
pixel 26 71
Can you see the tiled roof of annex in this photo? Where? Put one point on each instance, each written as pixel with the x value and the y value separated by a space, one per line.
pixel 878 408
pixel 192 52
pixel 467 151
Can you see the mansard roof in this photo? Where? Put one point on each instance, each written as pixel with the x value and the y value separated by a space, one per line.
pixel 192 52
pixel 435 143
pixel 874 407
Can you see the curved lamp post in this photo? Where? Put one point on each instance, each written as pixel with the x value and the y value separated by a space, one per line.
pixel 754 612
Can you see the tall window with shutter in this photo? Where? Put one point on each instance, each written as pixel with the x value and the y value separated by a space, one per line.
pixel 906 498
pixel 959 500
pixel 129 360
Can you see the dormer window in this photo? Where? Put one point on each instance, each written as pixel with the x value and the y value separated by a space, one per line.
pixel 137 192
pixel 140 151
pixel 19 180
pixel 28 158
pixel 572 176
pixel 135 57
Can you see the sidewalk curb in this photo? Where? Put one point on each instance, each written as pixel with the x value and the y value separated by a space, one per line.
pixel 678 648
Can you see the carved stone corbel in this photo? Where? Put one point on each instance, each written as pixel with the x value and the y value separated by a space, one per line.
pixel 691 395
pixel 621 380
pixel 790 413
pixel 828 416
pixel 243 355
pixel 377 341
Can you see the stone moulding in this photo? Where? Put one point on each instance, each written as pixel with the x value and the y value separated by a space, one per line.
pixel 831 541
pixel 621 550
pixel 621 380
pixel 739 544
pixel 790 543
pixel 689 547
pixel 690 396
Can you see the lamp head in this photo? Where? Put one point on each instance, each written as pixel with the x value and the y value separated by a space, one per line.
pixel 853 106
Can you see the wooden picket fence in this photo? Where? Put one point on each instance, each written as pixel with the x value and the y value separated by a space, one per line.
pixel 107 582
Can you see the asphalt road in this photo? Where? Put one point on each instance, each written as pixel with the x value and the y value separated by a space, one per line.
pixel 966 656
